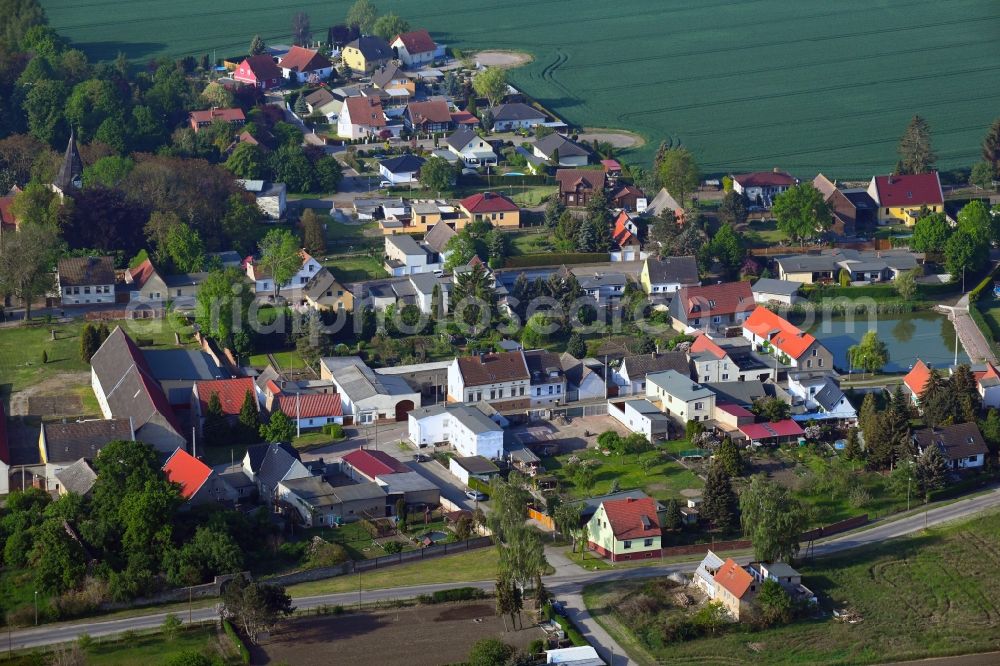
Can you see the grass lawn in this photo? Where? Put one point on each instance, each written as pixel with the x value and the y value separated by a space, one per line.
pixel 21 350
pixel 313 440
pixel 218 455
pixel 286 359
pixel 479 564
pixel 343 234
pixel 356 268
pixel 764 233
pixel 664 479
pixel 928 595
pixel 156 649
pixel 352 536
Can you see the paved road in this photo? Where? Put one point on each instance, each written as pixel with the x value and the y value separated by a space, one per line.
pixel 566 584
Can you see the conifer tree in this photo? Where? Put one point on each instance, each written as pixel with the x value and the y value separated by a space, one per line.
pixel 249 420
pixel 718 500
pixel 214 428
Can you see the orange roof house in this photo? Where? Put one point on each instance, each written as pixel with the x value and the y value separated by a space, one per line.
pixel 231 392
pixel 498 209
pixel 916 379
pixel 625 231
pixel 734 587
pixel 803 350
pixel 988 384
pixel 198 482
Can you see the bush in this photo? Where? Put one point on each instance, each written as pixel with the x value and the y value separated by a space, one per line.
pixel 575 637
pixel 293 550
pixel 454 594
pixel 335 430
pixel 555 258
pixel 325 554
pixel 480 485
pixel 392 547
pixel 240 646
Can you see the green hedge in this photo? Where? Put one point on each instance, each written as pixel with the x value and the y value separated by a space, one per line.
pixel 455 594
pixel 877 291
pixel 983 286
pixel 244 652
pixel 556 258
pixel 572 633
pixel 479 484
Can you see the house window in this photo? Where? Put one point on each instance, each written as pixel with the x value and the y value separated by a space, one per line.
pixel 550 389
pixel 522 392
pixel 479 395
pixel 559 389
pixel 647 543
pixel 493 394
pixel 819 362
pixel 725 377
pixel 469 398
pixel 699 405
pixel 809 363
pixel 86 290
pixel 627 545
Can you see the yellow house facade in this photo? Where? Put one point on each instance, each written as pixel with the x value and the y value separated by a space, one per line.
pixel 625 529
pixel 366 53
pixel 500 211
pixel 323 292
pixel 904 197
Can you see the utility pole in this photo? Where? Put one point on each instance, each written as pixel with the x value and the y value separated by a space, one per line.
pixel 298 414
pixel 190 589
pixel 908 479
pixel 194 443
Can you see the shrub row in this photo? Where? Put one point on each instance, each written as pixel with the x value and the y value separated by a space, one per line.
pixel 475 180
pixel 572 633
pixel 556 258
pixel 479 484
pixel 244 652
pixel 455 594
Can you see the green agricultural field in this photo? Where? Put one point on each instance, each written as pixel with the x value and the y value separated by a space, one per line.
pixel 805 86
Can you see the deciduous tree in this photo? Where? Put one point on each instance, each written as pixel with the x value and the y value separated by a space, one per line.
pixel 313 236
pixel 931 233
pixel 678 172
pixel 491 83
pixel 185 249
pixel 280 256
pixel 772 519
pixel 963 252
pixel 280 428
pixel 27 259
pixel 362 15
pixel 223 302
pixel 871 354
pixel 991 147
pixel 931 470
pixel 734 208
pixel 301 29
pixel 436 175
pixel 255 607
pixel 801 211
pixel 389 25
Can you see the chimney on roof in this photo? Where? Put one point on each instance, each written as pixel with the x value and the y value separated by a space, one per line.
pixel 629 499
pixel 775 170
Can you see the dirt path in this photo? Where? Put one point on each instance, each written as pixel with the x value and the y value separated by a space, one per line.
pixel 617 138
pixel 503 59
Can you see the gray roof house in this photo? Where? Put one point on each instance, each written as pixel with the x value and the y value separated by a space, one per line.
pixel 77 478
pixel 277 464
pixel 768 290
pixel 368 396
pixel 516 116
pixel 556 145
pixel 631 375
pixel 438 236
pixel 318 503
pixel 64 443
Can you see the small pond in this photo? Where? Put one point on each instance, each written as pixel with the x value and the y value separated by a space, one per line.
pixel 925 335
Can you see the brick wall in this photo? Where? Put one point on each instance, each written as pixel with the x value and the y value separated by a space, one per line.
pixel 700 548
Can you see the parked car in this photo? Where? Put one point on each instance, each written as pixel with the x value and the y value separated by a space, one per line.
pixel 476 495
pixel 420 457
pixel 384 185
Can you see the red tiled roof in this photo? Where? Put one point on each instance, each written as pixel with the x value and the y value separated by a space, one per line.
pixel 736 410
pixel 432 111
pixel 717 299
pixel 758 431
pixel 625 191
pixel 365 111
pixel 299 59
pixel 374 463
pixel 764 179
pixel 909 190
pixel 184 469
pixel 626 517
pixel 488 202
pixel 989 373
pixel 210 115
pixel 231 393
pixel 783 335
pixel 703 343
pixel 622 234
pixel 493 368
pixel 611 165
pixel 417 41
pixel 137 276
pixel 916 378
pixel 309 405
pixel 734 578
pixel 464 118
pixel 263 67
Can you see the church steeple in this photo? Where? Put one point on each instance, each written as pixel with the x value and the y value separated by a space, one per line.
pixel 70 174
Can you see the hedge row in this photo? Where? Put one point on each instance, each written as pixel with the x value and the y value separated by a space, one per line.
pixel 455 594
pixel 876 291
pixel 475 180
pixel 244 652
pixel 986 283
pixel 479 484
pixel 572 633
pixel 554 259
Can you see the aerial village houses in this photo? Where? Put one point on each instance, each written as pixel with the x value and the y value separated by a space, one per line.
pixel 199 483
pixel 761 187
pixel 366 53
pixel 361 117
pixel 961 444
pixel 465 427
pixel 560 151
pixel 501 379
pixel 231 392
pixel 769 330
pixel 301 65
pixel 202 119
pixel 735 588
pixel 259 71
pixel 713 309
pixel 401 170
pixel 471 148
pixel 86 280
pixel 323 292
pixel 516 115
pixel 367 396
pixel 577 186
pixel 61 445
pixel 415 48
pixel 666 275
pixel 903 196
pixel 626 529
pixel 494 208
pixel 626 238
pixel 680 397
pixel 429 116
